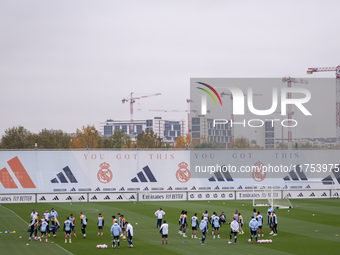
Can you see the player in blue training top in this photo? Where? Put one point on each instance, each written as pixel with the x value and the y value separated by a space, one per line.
pixel 184 223
pixel 216 222
pixel 269 213
pixel 204 229
pixel 259 219
pixel 273 223
pixel 73 220
pixel 67 229
pixel 44 229
pixel 100 224
pixel 115 231
pixel 194 224
pixel 253 225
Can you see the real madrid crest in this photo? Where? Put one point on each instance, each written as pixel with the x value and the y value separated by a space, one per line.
pixel 258 174
pixel 104 175
pixel 183 173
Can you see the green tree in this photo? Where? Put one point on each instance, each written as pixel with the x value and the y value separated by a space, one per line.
pixel 148 139
pixel 18 138
pixel 240 142
pixel 119 139
pixel 53 139
pixel 204 142
pixel 87 137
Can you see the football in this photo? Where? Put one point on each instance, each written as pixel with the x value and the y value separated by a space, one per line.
pixel 229 242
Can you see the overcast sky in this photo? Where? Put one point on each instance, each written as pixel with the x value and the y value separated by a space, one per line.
pixel 65 64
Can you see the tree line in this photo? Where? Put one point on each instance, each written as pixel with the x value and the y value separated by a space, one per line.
pixel 88 137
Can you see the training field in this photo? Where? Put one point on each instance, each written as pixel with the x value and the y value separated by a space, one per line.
pixel 312 227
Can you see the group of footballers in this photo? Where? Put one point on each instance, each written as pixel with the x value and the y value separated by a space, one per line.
pixel 49 223
pixel 255 224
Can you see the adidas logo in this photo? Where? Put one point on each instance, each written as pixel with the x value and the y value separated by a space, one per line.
pixel 193 188
pixel 289 195
pixel 82 198
pixel 94 198
pixel 42 198
pixel 226 176
pixel 119 197
pixel 97 189
pixel 20 173
pixel 294 177
pixel 300 195
pixel 336 173
pixel 312 195
pixel 217 187
pixel 240 187
pixel 55 198
pixel 142 177
pixel 146 188
pixel 324 194
pixel 169 188
pixel 328 180
pixel 107 198
pixel 336 194
pixel 62 177
pixel 122 189
pixel 132 197
pixel 307 187
pixel 69 198
pixel 285 187
pixel 73 189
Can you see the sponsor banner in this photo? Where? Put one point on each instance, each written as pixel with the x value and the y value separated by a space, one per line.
pixel 60 197
pixel 291 194
pixel 153 171
pixel 166 196
pixel 213 195
pixel 265 194
pixel 23 198
pixel 112 197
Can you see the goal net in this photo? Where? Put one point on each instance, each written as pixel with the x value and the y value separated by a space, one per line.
pixel 265 195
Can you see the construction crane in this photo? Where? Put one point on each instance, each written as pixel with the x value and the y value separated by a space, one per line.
pixel 232 112
pixel 131 98
pixel 289 81
pixel 337 89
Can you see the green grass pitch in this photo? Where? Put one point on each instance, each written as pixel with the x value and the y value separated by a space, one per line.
pixel 299 232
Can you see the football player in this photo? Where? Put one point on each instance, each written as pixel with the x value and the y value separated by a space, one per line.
pixel 194 224
pixel 100 224
pixel 67 229
pixel 83 223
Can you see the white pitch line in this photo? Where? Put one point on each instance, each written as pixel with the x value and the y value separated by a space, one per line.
pixel 64 249
pixel 15 214
pixel 27 223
